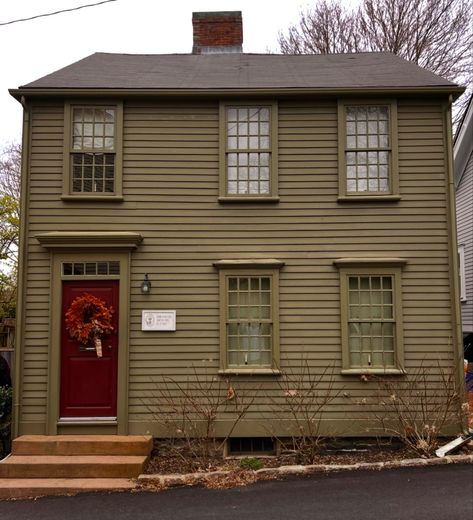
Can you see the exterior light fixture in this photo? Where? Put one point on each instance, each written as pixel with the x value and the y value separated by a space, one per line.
pixel 146 285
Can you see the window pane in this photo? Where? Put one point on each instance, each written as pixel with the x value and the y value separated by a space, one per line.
pixel 232 114
pixel 242 114
pixel 88 114
pixel 264 188
pixel 264 114
pixel 67 268
pixel 253 142
pixel 264 173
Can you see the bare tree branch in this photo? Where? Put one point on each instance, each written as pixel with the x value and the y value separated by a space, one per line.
pixel 434 34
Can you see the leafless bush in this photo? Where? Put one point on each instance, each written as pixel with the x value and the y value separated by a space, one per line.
pixel 302 399
pixel 188 413
pixel 421 407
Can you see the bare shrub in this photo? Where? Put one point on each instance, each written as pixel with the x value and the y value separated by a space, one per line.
pixel 302 399
pixel 423 406
pixel 188 413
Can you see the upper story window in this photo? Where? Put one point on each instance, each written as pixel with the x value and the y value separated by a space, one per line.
pixel 248 158
pixel 93 142
pixel 368 150
pixel 93 156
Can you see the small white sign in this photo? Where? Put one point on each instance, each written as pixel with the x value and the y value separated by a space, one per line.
pixel 158 320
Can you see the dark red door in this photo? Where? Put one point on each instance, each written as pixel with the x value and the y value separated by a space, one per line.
pixel 89 382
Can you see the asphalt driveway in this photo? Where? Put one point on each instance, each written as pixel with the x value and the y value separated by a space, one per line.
pixel 433 493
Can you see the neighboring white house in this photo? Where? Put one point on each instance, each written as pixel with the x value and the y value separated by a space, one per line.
pixel 463 158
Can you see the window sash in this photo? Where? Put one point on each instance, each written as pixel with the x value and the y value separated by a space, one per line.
pixel 93 128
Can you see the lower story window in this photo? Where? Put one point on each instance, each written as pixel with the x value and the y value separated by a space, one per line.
pixel 371 317
pixel 249 315
pixel 249 321
pixel 371 321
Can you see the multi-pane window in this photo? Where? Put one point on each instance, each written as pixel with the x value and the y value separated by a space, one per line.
pixel 249 321
pixel 368 149
pixel 371 321
pixel 105 268
pixel 367 144
pixel 371 315
pixel 248 155
pixel 93 149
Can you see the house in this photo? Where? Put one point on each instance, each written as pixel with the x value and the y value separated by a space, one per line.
pixel 234 217
pixel 463 161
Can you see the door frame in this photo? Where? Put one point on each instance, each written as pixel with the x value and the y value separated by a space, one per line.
pixel 120 426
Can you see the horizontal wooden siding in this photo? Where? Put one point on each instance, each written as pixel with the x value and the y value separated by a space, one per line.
pixel 170 188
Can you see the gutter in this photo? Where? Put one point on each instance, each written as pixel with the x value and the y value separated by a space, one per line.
pixel 22 255
pixel 232 91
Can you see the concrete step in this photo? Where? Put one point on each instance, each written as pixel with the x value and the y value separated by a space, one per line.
pixel 78 466
pixel 32 488
pixel 82 445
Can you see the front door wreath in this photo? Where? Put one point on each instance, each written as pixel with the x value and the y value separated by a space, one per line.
pixel 88 319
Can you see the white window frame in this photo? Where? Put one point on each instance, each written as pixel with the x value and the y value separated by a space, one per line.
pixel 461 272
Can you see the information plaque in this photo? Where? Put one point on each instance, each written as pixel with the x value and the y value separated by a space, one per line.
pixel 158 320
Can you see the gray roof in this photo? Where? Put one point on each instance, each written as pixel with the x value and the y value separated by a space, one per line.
pixel 240 71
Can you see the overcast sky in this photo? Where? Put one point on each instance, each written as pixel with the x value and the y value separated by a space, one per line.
pixel 32 49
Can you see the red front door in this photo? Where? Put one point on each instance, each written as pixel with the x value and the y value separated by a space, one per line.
pixel 89 382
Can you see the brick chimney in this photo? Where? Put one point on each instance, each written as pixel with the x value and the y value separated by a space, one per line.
pixel 217 32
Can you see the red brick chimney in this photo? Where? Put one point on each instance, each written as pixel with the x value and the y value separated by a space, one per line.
pixel 217 32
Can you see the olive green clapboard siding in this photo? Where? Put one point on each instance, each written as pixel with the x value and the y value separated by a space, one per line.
pixel 170 188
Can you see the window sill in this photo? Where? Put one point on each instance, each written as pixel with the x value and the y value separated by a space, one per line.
pixel 92 198
pixel 248 200
pixel 250 371
pixel 369 198
pixel 373 371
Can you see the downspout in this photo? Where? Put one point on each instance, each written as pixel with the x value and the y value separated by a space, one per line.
pixel 22 254
pixel 453 254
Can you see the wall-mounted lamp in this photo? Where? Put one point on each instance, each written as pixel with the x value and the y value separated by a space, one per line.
pixel 146 285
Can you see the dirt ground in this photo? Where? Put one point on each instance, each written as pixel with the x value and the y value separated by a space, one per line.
pixel 171 461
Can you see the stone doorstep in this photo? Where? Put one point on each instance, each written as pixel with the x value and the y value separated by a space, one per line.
pixel 34 488
pixel 82 445
pixel 77 466
pixel 68 464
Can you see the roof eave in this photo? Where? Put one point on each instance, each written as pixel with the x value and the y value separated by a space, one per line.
pixel 18 93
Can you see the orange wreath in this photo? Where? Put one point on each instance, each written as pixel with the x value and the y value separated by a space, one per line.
pixel 88 318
